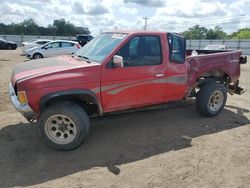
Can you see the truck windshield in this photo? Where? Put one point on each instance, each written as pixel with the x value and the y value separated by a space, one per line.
pixel 100 47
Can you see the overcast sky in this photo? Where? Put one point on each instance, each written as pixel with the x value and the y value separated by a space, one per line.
pixel 168 15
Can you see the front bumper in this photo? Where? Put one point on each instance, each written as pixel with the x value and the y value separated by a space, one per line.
pixel 28 56
pixel 25 109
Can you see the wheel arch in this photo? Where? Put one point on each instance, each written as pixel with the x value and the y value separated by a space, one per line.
pixel 85 98
pixel 213 75
pixel 37 53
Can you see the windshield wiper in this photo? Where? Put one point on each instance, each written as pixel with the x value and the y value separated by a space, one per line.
pixel 85 58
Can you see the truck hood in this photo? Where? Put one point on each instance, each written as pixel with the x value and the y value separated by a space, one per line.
pixel 41 67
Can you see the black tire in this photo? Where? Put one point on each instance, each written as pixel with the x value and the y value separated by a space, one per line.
pixel 211 99
pixel 37 56
pixel 75 114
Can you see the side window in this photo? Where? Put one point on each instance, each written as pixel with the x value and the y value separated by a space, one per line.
pixel 133 46
pixel 41 42
pixel 66 44
pixel 44 42
pixel 141 51
pixel 53 45
pixel 177 48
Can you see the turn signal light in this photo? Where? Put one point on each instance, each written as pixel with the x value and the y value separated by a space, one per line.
pixel 21 95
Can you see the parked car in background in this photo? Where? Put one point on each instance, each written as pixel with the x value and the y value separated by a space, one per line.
pixel 83 39
pixel 30 44
pixel 54 48
pixel 7 44
pixel 215 47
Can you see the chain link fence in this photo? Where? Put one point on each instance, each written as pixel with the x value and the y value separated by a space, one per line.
pixel 243 44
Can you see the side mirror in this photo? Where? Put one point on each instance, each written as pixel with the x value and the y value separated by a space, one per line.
pixel 118 61
pixel 45 47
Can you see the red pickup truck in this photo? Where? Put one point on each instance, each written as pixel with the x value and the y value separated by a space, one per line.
pixel 118 71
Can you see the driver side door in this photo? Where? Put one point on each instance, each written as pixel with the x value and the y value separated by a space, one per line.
pixel 51 49
pixel 141 81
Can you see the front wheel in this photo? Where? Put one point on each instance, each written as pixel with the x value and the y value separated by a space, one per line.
pixel 211 99
pixel 64 126
pixel 37 56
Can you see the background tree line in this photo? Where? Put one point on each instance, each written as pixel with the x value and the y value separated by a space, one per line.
pixel 65 28
pixel 198 32
pixel 29 27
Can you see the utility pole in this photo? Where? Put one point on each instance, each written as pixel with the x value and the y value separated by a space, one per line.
pixel 146 20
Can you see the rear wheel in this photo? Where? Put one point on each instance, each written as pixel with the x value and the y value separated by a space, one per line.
pixel 64 126
pixel 211 99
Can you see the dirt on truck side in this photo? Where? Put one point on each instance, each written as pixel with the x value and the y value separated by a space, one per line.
pixel 168 146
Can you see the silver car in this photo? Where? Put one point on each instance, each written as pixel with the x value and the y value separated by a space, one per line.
pixel 54 48
pixel 34 43
pixel 215 47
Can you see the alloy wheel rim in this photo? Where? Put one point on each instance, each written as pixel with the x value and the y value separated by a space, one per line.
pixel 60 129
pixel 37 56
pixel 216 100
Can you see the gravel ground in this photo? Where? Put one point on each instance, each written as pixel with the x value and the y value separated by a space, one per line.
pixel 162 147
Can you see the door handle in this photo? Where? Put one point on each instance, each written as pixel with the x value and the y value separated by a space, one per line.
pixel 159 75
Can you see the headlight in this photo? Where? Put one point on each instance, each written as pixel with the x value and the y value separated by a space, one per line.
pixel 21 95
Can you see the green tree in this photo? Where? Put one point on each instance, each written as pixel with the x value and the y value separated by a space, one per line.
pixel 241 34
pixel 216 33
pixel 29 27
pixel 3 28
pixel 63 27
pixel 16 29
pixel 196 32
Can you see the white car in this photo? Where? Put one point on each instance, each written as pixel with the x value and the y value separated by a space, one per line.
pixel 34 43
pixel 215 47
pixel 55 48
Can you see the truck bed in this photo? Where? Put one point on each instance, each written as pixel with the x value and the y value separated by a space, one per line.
pixel 213 62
